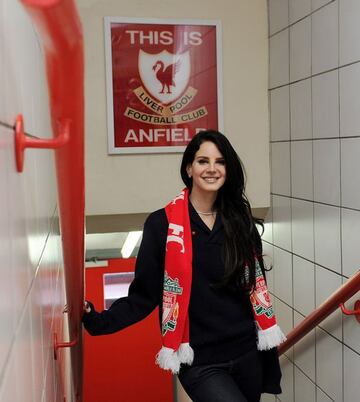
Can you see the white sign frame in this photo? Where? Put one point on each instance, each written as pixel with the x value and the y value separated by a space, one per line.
pixel 109 83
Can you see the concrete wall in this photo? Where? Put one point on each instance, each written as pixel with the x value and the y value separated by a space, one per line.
pixel 125 184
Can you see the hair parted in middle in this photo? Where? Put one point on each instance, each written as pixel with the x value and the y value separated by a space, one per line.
pixel 242 240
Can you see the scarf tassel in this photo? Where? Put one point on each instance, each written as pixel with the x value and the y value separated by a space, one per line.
pixel 169 359
pixel 270 337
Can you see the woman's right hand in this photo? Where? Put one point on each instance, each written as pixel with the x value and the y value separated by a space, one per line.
pixel 92 320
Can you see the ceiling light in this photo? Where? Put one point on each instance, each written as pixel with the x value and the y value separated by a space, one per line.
pixel 130 243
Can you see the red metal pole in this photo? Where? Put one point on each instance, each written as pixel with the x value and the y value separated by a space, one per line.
pixel 59 26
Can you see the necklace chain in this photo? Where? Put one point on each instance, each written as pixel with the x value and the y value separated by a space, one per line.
pixel 206 213
pixel 211 213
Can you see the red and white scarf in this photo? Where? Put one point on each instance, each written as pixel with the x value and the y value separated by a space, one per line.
pixel 176 294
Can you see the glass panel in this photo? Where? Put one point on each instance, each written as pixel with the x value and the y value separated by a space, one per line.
pixel 115 286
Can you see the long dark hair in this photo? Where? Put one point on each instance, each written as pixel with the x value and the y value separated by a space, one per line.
pixel 242 240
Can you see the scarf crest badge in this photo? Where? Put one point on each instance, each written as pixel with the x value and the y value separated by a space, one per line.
pixel 176 349
pixel 170 304
pixel 260 299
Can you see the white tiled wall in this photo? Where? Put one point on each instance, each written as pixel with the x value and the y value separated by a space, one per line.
pixel 298 9
pixel 324 43
pixel 300 50
pixel 304 388
pixel 282 260
pixel 349 100
pixel 302 169
pixel 279 56
pixel 349 31
pixel 325 103
pixel 280 171
pixel 31 275
pixel 350 181
pixel 281 214
pixel 300 109
pixel 304 275
pixel 315 227
pixel 278 15
pixel 302 228
pixel 304 351
pixel 280 119
pixel 326 155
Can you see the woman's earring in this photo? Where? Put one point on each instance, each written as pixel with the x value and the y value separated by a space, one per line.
pixel 189 176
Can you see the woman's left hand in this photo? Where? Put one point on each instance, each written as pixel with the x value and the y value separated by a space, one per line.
pixel 87 308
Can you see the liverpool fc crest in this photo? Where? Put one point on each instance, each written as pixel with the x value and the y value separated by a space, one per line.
pixel 170 304
pixel 164 75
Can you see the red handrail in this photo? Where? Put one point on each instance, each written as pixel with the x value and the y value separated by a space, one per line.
pixel 59 26
pixel 344 293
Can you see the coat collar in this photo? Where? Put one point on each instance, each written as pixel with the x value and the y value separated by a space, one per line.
pixel 195 218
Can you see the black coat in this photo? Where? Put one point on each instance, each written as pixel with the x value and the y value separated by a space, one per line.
pixel 221 320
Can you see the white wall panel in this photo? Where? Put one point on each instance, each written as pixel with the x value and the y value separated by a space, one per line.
pixel 302 228
pixel 351 326
pixel 319 3
pixel 300 110
pixel 278 15
pixel 300 50
pixel 302 169
pixel 280 168
pixel 285 319
pixel 349 40
pixel 350 235
pixel 349 101
pixel 6 277
pixel 287 380
pixel 351 378
pixel 304 351
pixel 325 96
pixel 325 38
pixel 321 396
pixel 8 389
pixel 305 389
pixel 350 165
pixel 327 171
pixel 299 9
pixel 283 275
pixel 279 59
pixel 280 121
pixel 304 285
pixel 268 226
pixel 329 365
pixel 281 222
pixel 327 282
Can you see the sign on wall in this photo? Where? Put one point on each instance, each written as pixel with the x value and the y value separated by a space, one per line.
pixel 163 83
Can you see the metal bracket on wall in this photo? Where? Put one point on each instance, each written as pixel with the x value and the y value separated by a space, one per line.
pixel 23 141
pixel 355 312
pixel 62 345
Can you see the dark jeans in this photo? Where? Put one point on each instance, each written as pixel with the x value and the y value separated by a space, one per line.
pixel 238 380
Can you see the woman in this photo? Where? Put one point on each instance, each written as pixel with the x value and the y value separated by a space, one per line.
pixel 200 260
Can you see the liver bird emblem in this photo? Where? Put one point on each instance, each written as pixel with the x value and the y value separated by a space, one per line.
pixel 166 75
